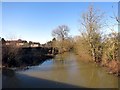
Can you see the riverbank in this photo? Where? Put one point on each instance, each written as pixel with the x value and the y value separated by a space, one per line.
pixel 36 60
pixel 8 72
pixel 112 67
pixel 26 57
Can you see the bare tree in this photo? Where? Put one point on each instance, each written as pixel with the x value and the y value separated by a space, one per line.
pixel 60 33
pixel 92 24
pixel 113 40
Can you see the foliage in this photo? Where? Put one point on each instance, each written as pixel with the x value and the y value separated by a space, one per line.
pixel 9 53
pixel 112 44
pixel 14 56
pixel 81 48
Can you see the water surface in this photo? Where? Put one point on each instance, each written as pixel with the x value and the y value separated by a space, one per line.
pixel 66 70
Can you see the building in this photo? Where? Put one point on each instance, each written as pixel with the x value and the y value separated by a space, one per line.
pixel 18 42
pixel 34 44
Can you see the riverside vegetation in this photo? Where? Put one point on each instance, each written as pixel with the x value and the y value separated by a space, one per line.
pixel 91 45
pixel 16 56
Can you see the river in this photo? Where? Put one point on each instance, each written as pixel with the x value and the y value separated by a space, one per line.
pixel 64 71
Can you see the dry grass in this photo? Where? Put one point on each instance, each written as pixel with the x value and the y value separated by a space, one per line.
pixel 82 50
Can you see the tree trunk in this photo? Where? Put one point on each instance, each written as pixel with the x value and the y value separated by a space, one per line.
pixel 93 54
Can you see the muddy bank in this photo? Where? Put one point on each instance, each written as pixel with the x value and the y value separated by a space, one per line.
pixel 112 67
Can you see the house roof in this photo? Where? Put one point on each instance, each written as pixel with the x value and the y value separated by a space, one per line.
pixel 16 41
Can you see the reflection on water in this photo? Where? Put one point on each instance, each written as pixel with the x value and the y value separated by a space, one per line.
pixel 67 68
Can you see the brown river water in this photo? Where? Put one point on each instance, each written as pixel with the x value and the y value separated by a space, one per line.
pixel 64 71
